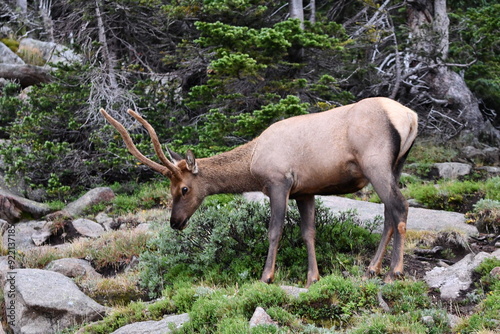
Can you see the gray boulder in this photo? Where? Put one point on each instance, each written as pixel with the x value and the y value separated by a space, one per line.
pixel 43 234
pixel 50 52
pixel 450 170
pixel 452 280
pixel 418 218
pixel 9 57
pixel 293 291
pixel 7 264
pixel 154 327
pixel 21 234
pixel 88 228
pixel 71 267
pixel 42 302
pixel 107 222
pixel 260 317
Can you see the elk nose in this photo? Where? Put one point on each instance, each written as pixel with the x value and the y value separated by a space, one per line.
pixel 178 224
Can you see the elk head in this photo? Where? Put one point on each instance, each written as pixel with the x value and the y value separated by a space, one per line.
pixel 187 193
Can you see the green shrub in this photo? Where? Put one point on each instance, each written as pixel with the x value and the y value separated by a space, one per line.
pixel 447 195
pixel 335 300
pixel 486 216
pixel 406 296
pixel 485 319
pixel 226 242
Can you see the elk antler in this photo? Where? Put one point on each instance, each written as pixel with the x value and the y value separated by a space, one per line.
pixel 168 169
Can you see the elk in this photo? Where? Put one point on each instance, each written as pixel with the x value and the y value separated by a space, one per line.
pixel 327 153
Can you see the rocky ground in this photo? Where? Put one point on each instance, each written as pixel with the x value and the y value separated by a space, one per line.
pixel 48 300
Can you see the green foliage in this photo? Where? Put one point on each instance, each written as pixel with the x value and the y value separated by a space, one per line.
pixel 335 299
pixel 406 296
pixel 428 152
pixel 12 44
pixel 131 197
pixel 486 216
pixel 224 238
pixel 486 316
pixel 450 195
pixel 478 40
pixel 253 81
pixel 9 103
pixel 256 122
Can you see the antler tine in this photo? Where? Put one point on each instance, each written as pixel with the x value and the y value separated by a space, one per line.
pixel 154 140
pixel 165 170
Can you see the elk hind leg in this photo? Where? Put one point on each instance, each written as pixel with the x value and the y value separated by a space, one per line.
pixel 395 215
pixel 306 208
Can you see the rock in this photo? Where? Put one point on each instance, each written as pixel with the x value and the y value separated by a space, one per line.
pixel 21 234
pixel 458 277
pixel 87 228
pixel 143 227
pixel 42 235
pixel 453 320
pixel 154 327
pixel 260 317
pixel 71 267
pixel 450 170
pixel 3 226
pixel 495 272
pixel 106 221
pixel 12 207
pixel 428 320
pixel 92 197
pixel 50 52
pixel 488 155
pixel 41 302
pixel 7 264
pixel 418 219
pixel 493 171
pixel 293 291
pixel 7 56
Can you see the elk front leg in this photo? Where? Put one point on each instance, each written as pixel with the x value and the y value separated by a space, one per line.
pixel 279 201
pixel 308 231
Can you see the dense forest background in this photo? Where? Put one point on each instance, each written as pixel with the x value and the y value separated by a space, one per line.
pixel 212 74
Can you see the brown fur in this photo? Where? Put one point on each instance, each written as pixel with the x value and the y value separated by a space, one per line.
pixel 334 152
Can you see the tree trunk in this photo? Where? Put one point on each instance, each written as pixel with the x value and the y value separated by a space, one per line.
pixel 296 52
pixel 297 10
pixel 428 24
pixel 312 9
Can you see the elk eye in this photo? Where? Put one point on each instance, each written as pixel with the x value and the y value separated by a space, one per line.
pixel 184 190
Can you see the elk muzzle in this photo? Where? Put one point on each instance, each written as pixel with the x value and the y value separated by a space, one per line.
pixel 178 224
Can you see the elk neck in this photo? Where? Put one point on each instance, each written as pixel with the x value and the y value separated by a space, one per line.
pixel 229 172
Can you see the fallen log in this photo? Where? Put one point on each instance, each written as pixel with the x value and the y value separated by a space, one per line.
pixel 26 75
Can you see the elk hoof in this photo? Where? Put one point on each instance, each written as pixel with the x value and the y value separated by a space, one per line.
pixel 267 280
pixel 370 273
pixel 308 284
pixel 393 276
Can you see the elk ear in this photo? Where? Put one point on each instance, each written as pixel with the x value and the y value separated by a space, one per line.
pixel 174 157
pixel 191 162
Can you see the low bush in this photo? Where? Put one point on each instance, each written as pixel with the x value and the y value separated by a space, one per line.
pixel 458 196
pixel 226 242
pixel 334 300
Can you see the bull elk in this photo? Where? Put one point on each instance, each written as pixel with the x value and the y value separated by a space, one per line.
pixel 333 152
